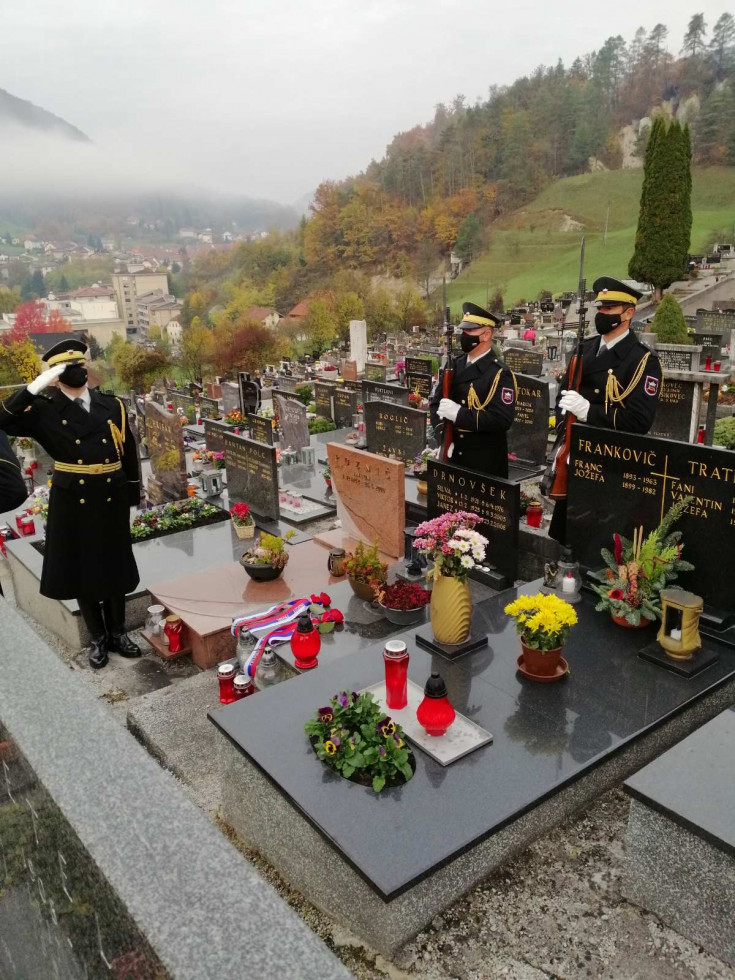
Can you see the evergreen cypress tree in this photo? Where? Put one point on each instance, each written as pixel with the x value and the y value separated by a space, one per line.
pixel 665 216
pixel 669 324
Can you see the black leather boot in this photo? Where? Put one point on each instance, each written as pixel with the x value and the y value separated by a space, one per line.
pixel 122 644
pixel 98 652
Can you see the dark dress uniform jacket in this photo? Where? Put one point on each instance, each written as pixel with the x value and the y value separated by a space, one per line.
pixel 480 441
pixel 630 363
pixel 88 552
pixel 13 490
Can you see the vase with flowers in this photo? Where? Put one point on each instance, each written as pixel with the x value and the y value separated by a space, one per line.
pixel 365 570
pixel 242 520
pixel 454 546
pixel 543 623
pixel 638 569
pixel 403 603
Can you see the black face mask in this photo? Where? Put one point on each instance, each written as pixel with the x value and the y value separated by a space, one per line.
pixel 75 376
pixel 605 322
pixel 468 342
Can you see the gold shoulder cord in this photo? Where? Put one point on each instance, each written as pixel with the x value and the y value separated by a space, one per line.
pixel 118 435
pixel 473 401
pixel 614 391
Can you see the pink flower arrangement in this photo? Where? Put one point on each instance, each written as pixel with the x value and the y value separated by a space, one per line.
pixel 452 543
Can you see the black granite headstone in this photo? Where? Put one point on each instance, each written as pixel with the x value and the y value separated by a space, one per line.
pixel 214 435
pixel 420 383
pixel 714 322
pixel 392 430
pixel 528 436
pixel 374 391
pixel 166 449
pixel 323 399
pixel 261 429
pixel 252 475
pixel 708 338
pixel 292 422
pixel 352 385
pixel 418 365
pixel 230 397
pixel 345 406
pixel 249 394
pixel 208 408
pixel 180 399
pixel 620 481
pixel 673 419
pixel 496 501
pixel 287 384
pixel 375 372
pixel 678 357
pixel 523 361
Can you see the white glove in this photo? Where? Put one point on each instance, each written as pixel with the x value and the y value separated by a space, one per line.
pixel 572 401
pixel 448 409
pixel 44 380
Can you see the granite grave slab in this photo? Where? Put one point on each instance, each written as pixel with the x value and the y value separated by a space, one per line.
pixel 249 394
pixel 208 408
pixel 677 412
pixel 523 361
pixel 395 431
pixel 529 434
pixel 261 429
pixel 344 404
pixel 252 474
pixel 678 357
pixel 418 365
pixel 292 422
pixel 214 435
pixel 323 399
pixel 421 384
pixel 166 449
pixel 375 391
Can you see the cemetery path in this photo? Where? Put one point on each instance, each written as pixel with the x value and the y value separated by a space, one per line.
pixel 554 912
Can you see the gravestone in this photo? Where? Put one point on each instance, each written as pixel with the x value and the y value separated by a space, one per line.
pixel 249 394
pixel 677 411
pixel 214 435
pixel 496 501
pixel 418 365
pixel 376 371
pixel 292 421
pixel 523 361
pixel 370 497
pixel 419 383
pixel 528 435
pixel 252 475
pixel 180 399
pixel 288 385
pixel 619 481
pixel 348 370
pixel 345 406
pixel 140 403
pixel 214 390
pixel 678 357
pixel 323 399
pixel 208 408
pixel 166 449
pixel 714 322
pixel 230 397
pixel 392 430
pixel 358 343
pixel 261 429
pixel 375 391
pixel 353 386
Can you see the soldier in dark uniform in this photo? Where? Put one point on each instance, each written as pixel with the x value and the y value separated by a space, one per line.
pixel 13 490
pixel 482 399
pixel 621 376
pixel 88 554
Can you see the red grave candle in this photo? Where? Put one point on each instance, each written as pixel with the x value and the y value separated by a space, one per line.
pixel 305 643
pixel 226 678
pixel 435 713
pixel 396 659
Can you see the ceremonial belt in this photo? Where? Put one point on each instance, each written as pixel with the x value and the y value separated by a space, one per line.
pixel 90 469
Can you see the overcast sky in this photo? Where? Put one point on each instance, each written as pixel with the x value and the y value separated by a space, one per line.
pixel 268 99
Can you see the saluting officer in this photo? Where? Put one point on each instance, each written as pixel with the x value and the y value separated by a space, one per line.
pixel 88 554
pixel 482 398
pixel 621 376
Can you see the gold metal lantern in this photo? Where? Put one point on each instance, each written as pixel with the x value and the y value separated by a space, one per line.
pixel 678 634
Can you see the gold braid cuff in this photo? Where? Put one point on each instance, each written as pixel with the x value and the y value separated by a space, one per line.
pixel 614 392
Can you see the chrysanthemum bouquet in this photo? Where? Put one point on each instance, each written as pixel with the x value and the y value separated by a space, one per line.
pixel 452 544
pixel 543 622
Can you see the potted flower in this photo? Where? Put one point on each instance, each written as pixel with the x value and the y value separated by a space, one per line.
pixel 420 466
pixel 455 548
pixel 218 460
pixel 365 570
pixel 403 603
pixel 543 623
pixel 242 520
pixel 235 417
pixel 637 570
pixel 327 474
pixel 353 738
pixel 268 558
pixel 414 398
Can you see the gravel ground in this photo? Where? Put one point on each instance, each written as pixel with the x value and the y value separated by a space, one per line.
pixel 554 912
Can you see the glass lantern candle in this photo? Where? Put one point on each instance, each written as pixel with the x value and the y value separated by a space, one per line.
pixel 226 678
pixel 569 580
pixel 534 513
pixel 435 714
pixel 305 643
pixel 153 620
pixel 268 672
pixel 395 656
pixel 242 686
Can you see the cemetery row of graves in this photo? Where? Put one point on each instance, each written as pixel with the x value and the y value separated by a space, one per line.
pixel 412 680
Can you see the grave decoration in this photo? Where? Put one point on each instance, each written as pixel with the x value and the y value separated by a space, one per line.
pixel 203 458
pixel 353 737
pixel 403 603
pixel 638 570
pixel 365 571
pixel 435 714
pixel 156 522
pixel 455 547
pixel 267 558
pixel 543 622
pixel 394 431
pixel 320 424
pixel 242 521
pixel 235 417
pixel 679 631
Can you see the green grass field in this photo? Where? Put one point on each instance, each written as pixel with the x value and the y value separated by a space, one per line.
pixel 529 251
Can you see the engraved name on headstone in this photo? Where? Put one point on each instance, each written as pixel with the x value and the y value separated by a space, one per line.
pixel 345 406
pixel 677 412
pixel 392 430
pixel 323 399
pixel 421 384
pixel 252 474
pixel 292 421
pixel 261 429
pixel 528 436
pixel 522 361
pixel 166 449
pixel 214 435
pixel 678 357
pixel 418 365
pixel 375 391
pixel 208 408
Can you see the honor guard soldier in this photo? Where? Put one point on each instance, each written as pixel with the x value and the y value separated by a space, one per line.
pixel 621 376
pixel 88 554
pixel 482 398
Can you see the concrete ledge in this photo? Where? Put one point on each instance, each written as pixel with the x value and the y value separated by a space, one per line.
pixel 686 881
pixel 265 820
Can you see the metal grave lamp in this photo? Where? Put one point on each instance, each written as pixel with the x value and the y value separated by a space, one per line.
pixel 211 481
pixel 678 634
pixel 308 456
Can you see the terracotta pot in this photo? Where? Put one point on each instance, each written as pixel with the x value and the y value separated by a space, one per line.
pixel 541 662
pixel 244 530
pixel 361 589
pixel 450 609
pixel 622 621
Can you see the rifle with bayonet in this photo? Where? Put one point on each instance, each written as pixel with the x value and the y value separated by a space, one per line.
pixel 447 379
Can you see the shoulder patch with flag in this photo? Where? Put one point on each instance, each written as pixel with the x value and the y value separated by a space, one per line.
pixel 651 385
pixel 507 395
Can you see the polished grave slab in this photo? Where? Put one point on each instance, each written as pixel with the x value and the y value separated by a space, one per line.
pixel 574 738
